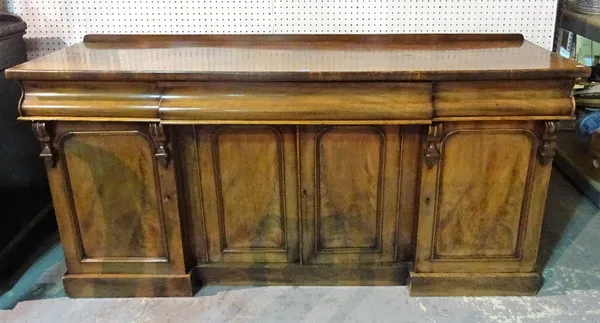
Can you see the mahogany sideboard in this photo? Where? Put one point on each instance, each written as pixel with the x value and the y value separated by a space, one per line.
pixel 180 161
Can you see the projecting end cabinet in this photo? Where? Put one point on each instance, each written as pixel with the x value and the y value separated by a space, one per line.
pixel 181 161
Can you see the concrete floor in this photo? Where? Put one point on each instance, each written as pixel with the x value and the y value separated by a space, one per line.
pixel 568 256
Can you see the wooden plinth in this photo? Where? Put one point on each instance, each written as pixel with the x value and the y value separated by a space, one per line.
pixel 474 284
pixel 308 275
pixel 118 285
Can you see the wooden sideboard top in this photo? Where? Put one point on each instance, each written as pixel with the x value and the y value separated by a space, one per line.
pixel 409 57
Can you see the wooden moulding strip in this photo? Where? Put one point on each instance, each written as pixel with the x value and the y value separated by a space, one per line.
pixel 147 39
pixel 501 118
pixel 297 122
pixel 91 119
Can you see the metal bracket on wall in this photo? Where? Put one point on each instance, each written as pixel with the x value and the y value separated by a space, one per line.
pixel 161 146
pixel 547 148
pixel 432 148
pixel 41 132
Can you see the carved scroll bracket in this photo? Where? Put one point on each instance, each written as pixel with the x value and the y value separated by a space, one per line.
pixel 432 147
pixel 547 148
pixel 47 153
pixel 161 145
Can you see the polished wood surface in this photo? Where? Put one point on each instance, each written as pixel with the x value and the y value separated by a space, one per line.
pixel 299 58
pixel 137 101
pixel 510 98
pixel 296 101
pixel 178 161
pixel 305 274
pixel 349 180
pixel 280 103
pixel 494 173
pixel 116 206
pixel 112 285
pixel 119 210
pixel 493 231
pixel 475 284
pixel 249 193
pixel 295 40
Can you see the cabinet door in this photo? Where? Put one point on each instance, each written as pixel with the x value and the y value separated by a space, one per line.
pixel 116 205
pixel 349 193
pixel 483 190
pixel 249 192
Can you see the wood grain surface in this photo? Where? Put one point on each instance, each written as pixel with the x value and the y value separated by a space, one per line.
pixel 298 159
pixel 481 202
pixel 113 285
pixel 116 208
pixel 302 275
pixel 253 207
pixel 348 190
pixel 135 101
pixel 293 103
pixel 349 193
pixel 115 198
pixel 474 284
pixel 486 178
pixel 508 98
pixel 249 192
pixel 278 58
pixel 296 101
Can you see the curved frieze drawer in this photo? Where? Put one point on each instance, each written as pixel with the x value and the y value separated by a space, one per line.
pixel 506 98
pixel 118 101
pixel 297 102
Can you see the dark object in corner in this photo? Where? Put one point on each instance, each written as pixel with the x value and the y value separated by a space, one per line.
pixel 26 216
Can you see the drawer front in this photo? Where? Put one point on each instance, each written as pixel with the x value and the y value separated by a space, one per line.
pixel 297 102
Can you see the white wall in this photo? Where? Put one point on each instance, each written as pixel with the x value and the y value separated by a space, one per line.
pixel 54 24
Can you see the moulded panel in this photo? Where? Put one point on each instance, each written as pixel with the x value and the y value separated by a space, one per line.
pixel 249 171
pixel 248 179
pixel 482 193
pixel 483 183
pixel 114 195
pixel 349 168
pixel 350 187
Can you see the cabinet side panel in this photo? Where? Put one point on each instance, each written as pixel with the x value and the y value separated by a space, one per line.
pixel 114 195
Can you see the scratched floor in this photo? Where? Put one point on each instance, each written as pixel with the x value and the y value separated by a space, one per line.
pixel 570 252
